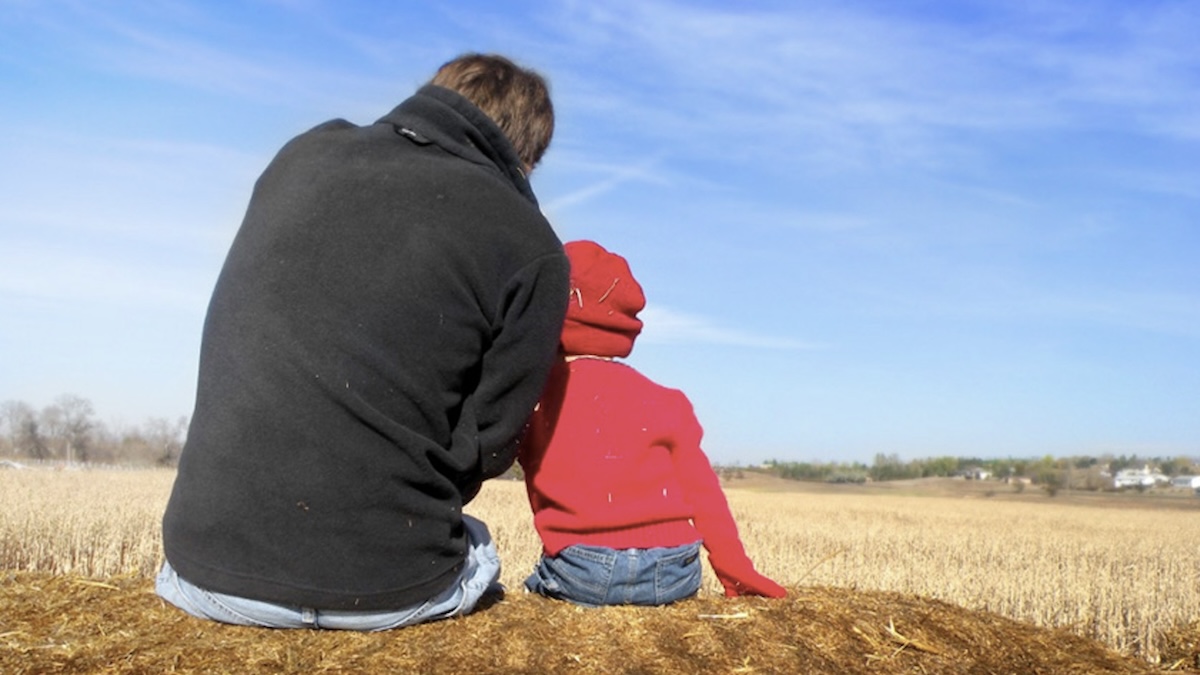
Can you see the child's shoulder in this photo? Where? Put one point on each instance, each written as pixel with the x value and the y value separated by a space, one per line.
pixel 621 374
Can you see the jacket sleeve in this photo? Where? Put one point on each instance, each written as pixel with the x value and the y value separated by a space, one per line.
pixel 515 366
pixel 711 515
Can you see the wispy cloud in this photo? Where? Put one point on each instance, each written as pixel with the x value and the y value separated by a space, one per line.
pixel 33 272
pixel 1015 180
pixel 84 185
pixel 1007 297
pixel 611 177
pixel 1178 182
pixel 851 87
pixel 191 47
pixel 668 326
pixel 1162 312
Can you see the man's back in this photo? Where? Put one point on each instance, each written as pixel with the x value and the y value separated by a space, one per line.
pixel 344 400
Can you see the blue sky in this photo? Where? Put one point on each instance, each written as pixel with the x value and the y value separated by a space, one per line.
pixel 916 227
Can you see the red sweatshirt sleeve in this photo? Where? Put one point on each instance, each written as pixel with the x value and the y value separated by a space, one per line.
pixel 711 514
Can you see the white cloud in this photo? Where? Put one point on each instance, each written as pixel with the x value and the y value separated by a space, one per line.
pixel 612 176
pixel 843 87
pixel 198 49
pixel 147 197
pixel 61 274
pixel 667 326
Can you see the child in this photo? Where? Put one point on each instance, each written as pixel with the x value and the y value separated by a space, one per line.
pixel 622 494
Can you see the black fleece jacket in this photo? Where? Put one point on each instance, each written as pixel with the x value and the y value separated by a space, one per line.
pixel 382 326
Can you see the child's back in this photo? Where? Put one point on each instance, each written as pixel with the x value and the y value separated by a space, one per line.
pixel 621 491
pixel 605 463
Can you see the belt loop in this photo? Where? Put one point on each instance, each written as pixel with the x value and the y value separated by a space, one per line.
pixel 308 616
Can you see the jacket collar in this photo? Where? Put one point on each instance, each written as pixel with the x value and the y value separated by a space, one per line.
pixel 444 117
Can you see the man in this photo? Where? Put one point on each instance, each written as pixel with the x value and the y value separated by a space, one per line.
pixel 379 333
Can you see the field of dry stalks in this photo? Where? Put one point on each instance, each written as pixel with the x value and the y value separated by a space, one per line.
pixel 1122 574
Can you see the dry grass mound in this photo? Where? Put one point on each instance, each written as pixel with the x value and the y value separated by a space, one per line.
pixel 65 624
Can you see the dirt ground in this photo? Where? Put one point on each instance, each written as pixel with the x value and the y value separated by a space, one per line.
pixel 56 624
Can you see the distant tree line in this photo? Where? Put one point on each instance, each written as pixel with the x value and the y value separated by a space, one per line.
pixel 67 431
pixel 1077 472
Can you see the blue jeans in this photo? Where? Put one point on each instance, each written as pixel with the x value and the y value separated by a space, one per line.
pixel 479 576
pixel 594 575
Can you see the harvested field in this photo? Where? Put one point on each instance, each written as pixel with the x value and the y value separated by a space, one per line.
pixel 930 581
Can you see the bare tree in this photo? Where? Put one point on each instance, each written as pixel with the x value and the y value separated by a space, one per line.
pixel 10 423
pixel 51 428
pixel 67 426
pixel 68 429
pixel 166 438
pixel 23 429
pixel 77 423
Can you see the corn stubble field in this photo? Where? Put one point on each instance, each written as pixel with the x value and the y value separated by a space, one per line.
pixel 881 580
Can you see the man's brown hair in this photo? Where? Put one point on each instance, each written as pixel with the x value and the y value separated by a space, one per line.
pixel 517 99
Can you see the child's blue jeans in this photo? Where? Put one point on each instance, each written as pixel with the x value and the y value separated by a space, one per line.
pixel 480 575
pixel 594 575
